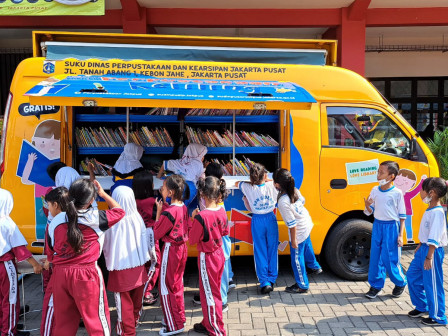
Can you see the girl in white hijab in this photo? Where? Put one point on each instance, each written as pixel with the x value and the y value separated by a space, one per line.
pixel 12 246
pixel 127 165
pixel 190 167
pixel 66 176
pixel 126 252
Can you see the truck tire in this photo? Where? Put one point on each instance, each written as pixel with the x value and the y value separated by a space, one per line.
pixel 347 251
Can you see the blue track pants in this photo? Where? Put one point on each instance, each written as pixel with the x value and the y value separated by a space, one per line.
pixel 265 237
pixel 385 255
pixel 301 258
pixel 426 287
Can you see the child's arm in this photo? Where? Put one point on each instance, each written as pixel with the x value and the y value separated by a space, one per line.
pixel 109 200
pixel 369 209
pixel 400 234
pixel 36 266
pixel 91 169
pixel 428 260
pixel 161 170
pixel 293 235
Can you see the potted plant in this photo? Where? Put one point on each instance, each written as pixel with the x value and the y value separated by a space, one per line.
pixel 439 147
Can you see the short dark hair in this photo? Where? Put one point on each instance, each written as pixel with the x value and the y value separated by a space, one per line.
pixel 58 195
pixel 142 185
pixel 392 167
pixel 214 169
pixel 437 184
pixel 53 169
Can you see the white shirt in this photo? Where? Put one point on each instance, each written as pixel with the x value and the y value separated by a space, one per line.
pixel 433 227
pixel 261 197
pixel 387 204
pixel 296 215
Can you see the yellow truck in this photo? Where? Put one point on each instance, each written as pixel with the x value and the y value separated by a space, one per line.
pixel 279 102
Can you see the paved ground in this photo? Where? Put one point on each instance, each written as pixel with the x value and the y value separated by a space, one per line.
pixel 332 307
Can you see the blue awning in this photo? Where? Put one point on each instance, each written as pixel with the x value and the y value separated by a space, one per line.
pixel 173 89
pixel 104 51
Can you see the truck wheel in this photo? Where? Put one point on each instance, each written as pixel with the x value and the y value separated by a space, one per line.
pixel 347 250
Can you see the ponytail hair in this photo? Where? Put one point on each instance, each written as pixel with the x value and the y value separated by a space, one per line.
pixel 81 193
pixel 286 181
pixel 257 173
pixel 60 196
pixel 176 183
pixel 212 188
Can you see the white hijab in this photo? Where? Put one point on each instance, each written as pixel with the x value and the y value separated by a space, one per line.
pixel 129 160
pixel 10 235
pixel 66 176
pixel 125 244
pixel 190 166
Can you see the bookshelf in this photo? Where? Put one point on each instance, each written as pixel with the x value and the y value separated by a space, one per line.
pixel 131 121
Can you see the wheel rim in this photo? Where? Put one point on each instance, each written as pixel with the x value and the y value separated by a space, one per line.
pixel 355 252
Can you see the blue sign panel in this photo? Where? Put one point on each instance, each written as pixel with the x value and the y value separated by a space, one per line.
pixel 171 89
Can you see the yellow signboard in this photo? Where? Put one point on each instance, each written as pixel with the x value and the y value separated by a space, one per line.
pixel 51 7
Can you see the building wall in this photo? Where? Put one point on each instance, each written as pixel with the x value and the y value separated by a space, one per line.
pixel 406 64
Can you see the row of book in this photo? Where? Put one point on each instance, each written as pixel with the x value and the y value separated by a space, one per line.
pixel 99 168
pixel 212 138
pixel 242 167
pixel 208 112
pixel 116 137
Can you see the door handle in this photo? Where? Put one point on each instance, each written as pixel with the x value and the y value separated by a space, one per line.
pixel 338 184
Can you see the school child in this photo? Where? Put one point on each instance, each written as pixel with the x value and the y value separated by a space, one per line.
pixel 386 203
pixel 127 165
pixel 74 243
pixel 425 274
pixel 190 167
pixel 12 247
pixel 172 227
pixel 126 252
pixel 215 169
pixel 143 188
pixel 261 196
pixel 209 226
pixel 296 216
pixel 57 202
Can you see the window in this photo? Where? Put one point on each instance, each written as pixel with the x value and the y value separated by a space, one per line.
pixel 427 88
pixel 400 89
pixel 380 86
pixel 365 128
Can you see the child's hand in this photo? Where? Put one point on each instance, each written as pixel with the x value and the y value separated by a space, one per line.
pixel 427 264
pixel 46 264
pixel 418 246
pixel 294 243
pixel 400 241
pixel 368 202
pixel 91 168
pixel 195 212
pixel 100 189
pixel 159 205
pixel 37 268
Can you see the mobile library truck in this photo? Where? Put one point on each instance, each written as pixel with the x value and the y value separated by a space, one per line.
pixel 279 102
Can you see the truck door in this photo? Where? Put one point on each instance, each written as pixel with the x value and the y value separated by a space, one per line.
pixel 355 140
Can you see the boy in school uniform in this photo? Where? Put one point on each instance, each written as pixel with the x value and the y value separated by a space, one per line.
pixel 386 203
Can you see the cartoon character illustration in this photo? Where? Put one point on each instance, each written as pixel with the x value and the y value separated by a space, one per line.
pixel 35 157
pixel 405 180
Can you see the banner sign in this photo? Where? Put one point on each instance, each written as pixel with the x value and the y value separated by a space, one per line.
pixel 51 7
pixel 170 88
pixel 362 172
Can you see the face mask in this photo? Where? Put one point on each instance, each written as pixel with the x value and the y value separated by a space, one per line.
pixel 427 199
pixel 383 182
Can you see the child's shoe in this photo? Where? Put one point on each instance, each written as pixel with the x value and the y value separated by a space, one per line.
pixel 429 321
pixel 372 293
pixel 197 299
pixel 295 289
pixel 164 332
pixel 225 307
pixel 149 300
pixel 266 289
pixel 416 313
pixel 22 333
pixel 398 291
pixel 314 271
pixel 199 328
pixel 232 284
